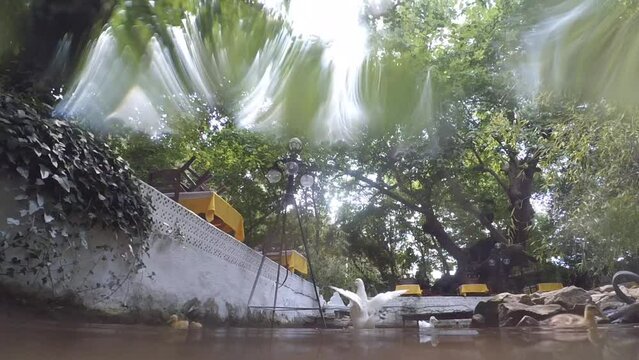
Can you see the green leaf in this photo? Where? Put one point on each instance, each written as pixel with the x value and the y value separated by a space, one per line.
pixel 44 172
pixel 23 171
pixel 33 207
pixel 48 218
pixel 63 181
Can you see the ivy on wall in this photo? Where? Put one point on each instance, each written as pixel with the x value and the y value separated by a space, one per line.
pixel 67 183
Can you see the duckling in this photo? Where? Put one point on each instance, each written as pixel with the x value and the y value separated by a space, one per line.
pixel 195 325
pixel 567 320
pixel 175 323
pixel 576 321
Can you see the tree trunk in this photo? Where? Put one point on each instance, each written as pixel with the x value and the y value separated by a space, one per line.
pixel 441 256
pixel 434 228
pixel 520 189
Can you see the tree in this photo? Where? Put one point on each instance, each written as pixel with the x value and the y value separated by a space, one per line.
pixel 470 173
pixel 594 184
pixel 380 233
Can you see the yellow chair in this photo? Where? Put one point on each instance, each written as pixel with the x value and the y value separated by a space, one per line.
pixel 291 259
pixel 480 289
pixel 411 289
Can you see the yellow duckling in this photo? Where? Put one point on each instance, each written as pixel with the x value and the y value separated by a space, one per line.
pixel 575 321
pixel 176 323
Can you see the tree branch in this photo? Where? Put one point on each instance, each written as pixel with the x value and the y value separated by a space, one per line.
pixel 434 227
pixel 383 188
pixel 468 206
pixel 440 255
pixel 509 151
pixel 501 183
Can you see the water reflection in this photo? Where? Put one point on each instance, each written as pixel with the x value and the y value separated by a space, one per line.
pixel 43 340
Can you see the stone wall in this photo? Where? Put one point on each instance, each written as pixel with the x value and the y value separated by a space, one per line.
pixel 188 259
pixel 392 314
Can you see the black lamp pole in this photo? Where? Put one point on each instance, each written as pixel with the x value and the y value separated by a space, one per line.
pixel 291 166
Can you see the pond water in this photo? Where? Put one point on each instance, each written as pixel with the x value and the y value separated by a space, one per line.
pixel 53 340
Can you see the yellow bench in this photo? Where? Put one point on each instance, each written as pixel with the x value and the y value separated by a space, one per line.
pixel 466 289
pixel 411 289
pixel 215 210
pixel 291 259
pixel 545 287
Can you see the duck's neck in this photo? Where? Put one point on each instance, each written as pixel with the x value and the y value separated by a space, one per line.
pixel 361 292
pixel 590 320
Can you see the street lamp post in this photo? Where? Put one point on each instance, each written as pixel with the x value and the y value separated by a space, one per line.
pixel 293 167
pixel 296 171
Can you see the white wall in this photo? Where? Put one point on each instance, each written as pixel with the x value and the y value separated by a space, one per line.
pixel 188 258
pixel 193 259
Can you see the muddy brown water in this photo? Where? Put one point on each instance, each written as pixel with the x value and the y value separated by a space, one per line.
pixel 44 340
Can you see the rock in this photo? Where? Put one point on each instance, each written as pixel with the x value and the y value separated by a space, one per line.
pixel 192 309
pixel 508 322
pixel 570 298
pixel 537 299
pixel 605 289
pixel 489 310
pixel 611 305
pixel 478 321
pixel 633 292
pixel 508 297
pixel 511 313
pixel 627 314
pixel 598 297
pixel 607 301
pixel 527 321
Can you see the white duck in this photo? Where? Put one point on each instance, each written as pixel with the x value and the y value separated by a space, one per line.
pixel 364 311
pixel 428 325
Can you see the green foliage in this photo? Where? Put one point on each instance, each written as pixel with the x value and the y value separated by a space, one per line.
pixel 71 183
pixel 577 152
pixel 471 173
pixel 238 160
pixel 379 233
pixel 594 182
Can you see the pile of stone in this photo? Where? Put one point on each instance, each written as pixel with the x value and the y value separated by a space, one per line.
pixel 508 309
